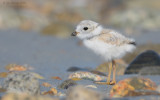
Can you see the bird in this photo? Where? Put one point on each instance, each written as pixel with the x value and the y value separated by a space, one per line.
pixel 107 43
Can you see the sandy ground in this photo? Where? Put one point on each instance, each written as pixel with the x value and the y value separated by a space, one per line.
pixel 50 56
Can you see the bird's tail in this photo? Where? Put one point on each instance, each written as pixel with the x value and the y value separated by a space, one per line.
pixel 133 43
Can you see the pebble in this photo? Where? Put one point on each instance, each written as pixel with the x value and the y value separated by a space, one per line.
pixel 158 88
pixel 87 75
pixel 67 83
pixel 91 86
pixel 74 69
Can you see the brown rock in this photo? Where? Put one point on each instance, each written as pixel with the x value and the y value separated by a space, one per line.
pixel 134 86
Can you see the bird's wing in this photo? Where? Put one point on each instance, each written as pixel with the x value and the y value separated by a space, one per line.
pixel 114 38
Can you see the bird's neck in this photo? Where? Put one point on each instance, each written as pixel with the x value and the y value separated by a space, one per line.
pixel 95 32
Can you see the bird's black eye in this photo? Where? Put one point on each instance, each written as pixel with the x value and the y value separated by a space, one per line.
pixel 85 28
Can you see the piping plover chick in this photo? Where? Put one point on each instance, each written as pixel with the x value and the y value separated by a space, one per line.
pixel 107 43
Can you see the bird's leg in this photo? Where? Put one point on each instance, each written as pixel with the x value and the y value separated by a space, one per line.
pixel 109 73
pixel 114 73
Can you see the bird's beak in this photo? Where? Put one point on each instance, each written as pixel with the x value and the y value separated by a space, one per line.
pixel 74 33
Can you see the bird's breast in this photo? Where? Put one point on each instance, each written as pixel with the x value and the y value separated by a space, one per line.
pixel 95 45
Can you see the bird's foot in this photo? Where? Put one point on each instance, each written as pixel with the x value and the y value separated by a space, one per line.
pixel 112 83
pixel 102 83
pixel 106 83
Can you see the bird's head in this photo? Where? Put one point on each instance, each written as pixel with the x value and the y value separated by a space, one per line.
pixel 86 29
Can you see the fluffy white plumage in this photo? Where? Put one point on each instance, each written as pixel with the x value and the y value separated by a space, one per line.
pixel 104 42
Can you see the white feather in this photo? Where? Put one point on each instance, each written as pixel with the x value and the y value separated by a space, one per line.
pixel 107 50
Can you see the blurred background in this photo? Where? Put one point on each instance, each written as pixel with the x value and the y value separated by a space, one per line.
pixel 37 32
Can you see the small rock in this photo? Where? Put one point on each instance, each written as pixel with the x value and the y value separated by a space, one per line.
pixel 87 75
pixel 22 82
pixel 155 70
pixel 82 93
pixel 60 94
pixel 56 77
pixel 158 88
pixel 146 59
pixel 45 84
pixel 134 86
pixel 66 84
pixel 26 97
pixel 74 69
pixel 15 67
pixel 52 91
pixel 91 86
